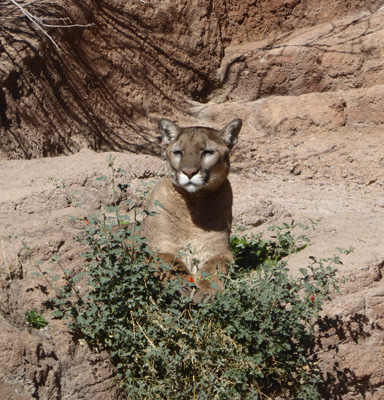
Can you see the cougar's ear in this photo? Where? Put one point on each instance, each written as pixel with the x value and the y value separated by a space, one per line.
pixel 169 130
pixel 231 131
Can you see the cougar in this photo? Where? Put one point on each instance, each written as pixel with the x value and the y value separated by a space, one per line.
pixel 190 228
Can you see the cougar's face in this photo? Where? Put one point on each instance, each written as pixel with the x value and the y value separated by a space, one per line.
pixel 199 156
pixel 198 160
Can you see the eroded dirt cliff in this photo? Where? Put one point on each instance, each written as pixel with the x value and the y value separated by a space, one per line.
pixel 107 84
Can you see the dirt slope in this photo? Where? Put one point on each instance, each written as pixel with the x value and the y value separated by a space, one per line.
pixel 108 83
pixel 306 78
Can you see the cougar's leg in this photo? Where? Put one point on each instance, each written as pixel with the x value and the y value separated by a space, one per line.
pixel 209 286
pixel 178 269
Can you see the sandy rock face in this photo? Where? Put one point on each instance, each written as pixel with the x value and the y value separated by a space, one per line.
pixel 108 82
pixel 307 80
pixel 130 63
pixel 333 56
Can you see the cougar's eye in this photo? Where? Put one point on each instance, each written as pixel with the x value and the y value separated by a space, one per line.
pixel 205 152
pixel 177 152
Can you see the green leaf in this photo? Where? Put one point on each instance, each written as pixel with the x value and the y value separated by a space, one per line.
pixel 158 204
pixel 57 314
pixel 215 285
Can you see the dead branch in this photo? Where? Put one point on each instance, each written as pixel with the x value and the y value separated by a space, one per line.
pixel 40 24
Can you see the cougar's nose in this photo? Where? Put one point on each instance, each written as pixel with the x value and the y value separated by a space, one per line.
pixel 190 173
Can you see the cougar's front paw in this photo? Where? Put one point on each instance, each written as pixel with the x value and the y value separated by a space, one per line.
pixel 208 280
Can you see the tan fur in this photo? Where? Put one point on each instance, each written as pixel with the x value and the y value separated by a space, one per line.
pixel 191 231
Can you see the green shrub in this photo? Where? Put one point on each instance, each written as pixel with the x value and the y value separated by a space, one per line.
pixel 35 320
pixel 253 342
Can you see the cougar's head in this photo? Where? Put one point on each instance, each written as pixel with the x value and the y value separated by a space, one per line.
pixel 199 156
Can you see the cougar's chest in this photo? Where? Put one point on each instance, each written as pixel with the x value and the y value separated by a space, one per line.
pixel 203 211
pixel 201 223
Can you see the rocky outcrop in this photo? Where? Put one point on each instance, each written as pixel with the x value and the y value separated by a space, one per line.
pixel 109 81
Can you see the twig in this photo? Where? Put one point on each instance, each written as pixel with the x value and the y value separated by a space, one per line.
pixel 142 331
pixel 31 18
pixel 40 24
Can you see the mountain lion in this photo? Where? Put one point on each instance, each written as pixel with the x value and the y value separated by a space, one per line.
pixel 191 227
